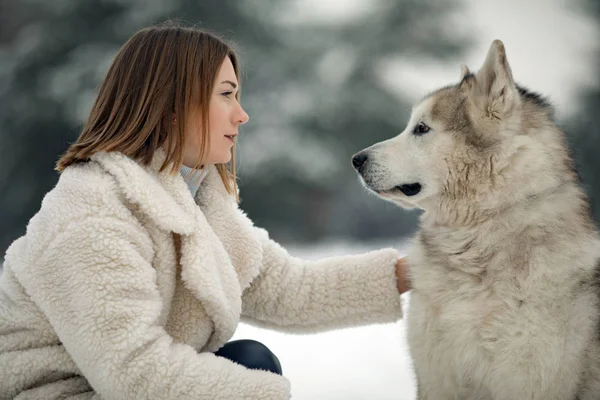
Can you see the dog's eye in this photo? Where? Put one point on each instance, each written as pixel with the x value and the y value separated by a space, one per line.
pixel 421 129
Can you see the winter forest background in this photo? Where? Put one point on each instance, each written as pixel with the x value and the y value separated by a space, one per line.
pixel 321 80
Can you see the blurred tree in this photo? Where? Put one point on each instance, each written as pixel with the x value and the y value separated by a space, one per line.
pixel 584 129
pixel 313 89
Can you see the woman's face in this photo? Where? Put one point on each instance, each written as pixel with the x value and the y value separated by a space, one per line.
pixel 225 115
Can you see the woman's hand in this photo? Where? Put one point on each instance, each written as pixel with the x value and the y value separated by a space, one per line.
pixel 401 275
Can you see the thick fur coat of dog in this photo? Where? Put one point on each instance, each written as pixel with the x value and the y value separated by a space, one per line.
pixel 505 265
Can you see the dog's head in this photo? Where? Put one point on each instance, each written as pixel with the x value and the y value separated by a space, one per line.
pixel 484 141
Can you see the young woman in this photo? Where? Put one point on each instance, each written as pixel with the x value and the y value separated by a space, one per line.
pixel 138 267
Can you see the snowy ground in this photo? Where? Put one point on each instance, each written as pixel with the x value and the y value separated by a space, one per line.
pixel 351 364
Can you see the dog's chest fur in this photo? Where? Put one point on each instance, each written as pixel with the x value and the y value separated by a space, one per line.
pixel 486 306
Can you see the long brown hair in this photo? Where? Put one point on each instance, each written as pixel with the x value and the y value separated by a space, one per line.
pixel 161 71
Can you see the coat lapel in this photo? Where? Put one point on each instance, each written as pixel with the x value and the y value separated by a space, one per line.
pixel 233 228
pixel 220 254
pixel 160 195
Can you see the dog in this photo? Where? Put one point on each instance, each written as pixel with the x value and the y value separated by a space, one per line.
pixel 505 265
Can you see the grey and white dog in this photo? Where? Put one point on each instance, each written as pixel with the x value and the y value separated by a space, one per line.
pixel 505 265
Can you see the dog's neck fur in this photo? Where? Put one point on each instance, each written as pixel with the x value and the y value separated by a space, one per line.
pixel 469 247
pixel 510 173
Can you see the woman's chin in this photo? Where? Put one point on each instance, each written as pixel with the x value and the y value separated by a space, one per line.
pixel 221 159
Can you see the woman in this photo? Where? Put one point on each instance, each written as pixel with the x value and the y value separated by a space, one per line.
pixel 135 272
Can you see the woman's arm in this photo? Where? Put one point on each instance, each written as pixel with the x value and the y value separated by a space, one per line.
pixel 298 295
pixel 96 285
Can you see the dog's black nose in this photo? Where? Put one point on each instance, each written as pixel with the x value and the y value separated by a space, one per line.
pixel 359 160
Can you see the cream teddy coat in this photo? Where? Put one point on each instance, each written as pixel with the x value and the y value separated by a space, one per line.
pixel 124 285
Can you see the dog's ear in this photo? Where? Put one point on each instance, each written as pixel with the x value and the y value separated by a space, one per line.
pixel 493 88
pixel 467 79
pixel 464 72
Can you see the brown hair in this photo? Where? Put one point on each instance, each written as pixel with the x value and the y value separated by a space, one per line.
pixel 159 72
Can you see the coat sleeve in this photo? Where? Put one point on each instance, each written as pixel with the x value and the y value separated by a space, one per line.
pixel 297 295
pixel 96 285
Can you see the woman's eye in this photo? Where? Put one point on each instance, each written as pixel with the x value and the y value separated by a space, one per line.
pixel 421 129
pixel 227 94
